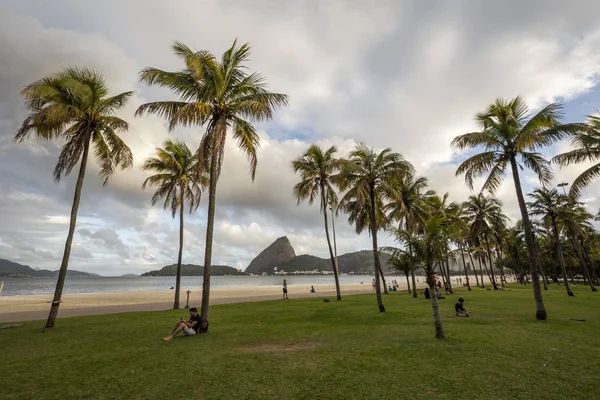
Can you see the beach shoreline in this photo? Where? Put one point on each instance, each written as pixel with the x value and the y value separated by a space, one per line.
pixel 33 307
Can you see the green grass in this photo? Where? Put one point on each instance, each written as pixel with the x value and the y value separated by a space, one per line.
pixel 304 348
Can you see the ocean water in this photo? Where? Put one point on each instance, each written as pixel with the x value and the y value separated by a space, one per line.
pixel 89 284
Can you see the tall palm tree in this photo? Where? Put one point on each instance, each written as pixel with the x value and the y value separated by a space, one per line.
pixel 484 213
pixel 428 249
pixel 222 96
pixel 587 148
pixel 178 179
pixel 316 168
pixel 408 206
pixel 546 204
pixel 73 105
pixel 368 177
pixel 510 137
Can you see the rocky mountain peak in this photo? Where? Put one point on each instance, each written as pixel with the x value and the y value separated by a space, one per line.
pixel 279 252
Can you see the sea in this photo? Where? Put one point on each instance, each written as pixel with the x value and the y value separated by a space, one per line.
pixel 91 284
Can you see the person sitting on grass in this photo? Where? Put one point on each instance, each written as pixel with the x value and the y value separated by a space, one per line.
pixel 189 327
pixel 460 309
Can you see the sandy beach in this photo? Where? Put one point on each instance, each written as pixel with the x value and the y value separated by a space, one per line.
pixel 32 307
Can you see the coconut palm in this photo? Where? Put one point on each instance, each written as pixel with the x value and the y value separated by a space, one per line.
pixel 368 176
pixel 428 249
pixel 316 168
pixel 222 96
pixel 587 148
pixel 179 180
pixel 484 213
pixel 407 206
pixel 73 105
pixel 510 137
pixel 546 203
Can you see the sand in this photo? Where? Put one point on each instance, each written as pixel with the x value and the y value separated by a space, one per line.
pixel 31 307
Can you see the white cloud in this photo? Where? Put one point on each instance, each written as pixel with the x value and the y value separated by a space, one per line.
pixel 392 74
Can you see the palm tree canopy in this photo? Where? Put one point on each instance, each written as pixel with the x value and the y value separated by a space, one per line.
pixel 407 201
pixel 587 148
pixel 176 170
pixel 316 167
pixel 508 132
pixel 483 213
pixel 215 91
pixel 366 172
pixel 74 105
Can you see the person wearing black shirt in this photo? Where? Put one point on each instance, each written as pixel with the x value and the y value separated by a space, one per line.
pixel 189 327
pixel 460 309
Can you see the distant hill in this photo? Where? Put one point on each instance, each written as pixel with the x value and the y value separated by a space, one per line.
pixel 129 276
pixel 194 270
pixel 281 255
pixel 278 252
pixel 13 269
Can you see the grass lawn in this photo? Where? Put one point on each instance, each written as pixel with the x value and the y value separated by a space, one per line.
pixel 304 348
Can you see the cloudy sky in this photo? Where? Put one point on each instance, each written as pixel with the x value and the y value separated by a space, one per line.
pixel 397 74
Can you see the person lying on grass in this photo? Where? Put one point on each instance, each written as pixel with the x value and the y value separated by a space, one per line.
pixel 189 327
pixel 460 309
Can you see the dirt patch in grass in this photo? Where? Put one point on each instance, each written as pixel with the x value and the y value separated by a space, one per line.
pixel 280 347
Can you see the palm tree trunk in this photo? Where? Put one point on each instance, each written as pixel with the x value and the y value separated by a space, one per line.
pixel 561 259
pixel 412 267
pixel 539 261
pixel 489 254
pixel 435 308
pixel 586 272
pixel 462 254
pixel 385 288
pixel 210 224
pixel 448 275
pixel 540 313
pixel 406 273
pixel 62 274
pixel 334 240
pixel 481 272
pixel 333 259
pixel 375 247
pixel 179 256
pixel 474 269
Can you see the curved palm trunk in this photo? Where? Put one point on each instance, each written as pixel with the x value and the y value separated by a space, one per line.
pixel 385 288
pixel 540 313
pixel 333 259
pixel 561 259
pixel 179 256
pixel 375 256
pixel 474 270
pixel 489 254
pixel 406 273
pixel 462 254
pixel 435 308
pixel 62 274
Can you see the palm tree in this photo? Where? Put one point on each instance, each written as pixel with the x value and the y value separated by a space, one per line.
pixel 402 263
pixel 428 250
pixel 587 143
pixel 546 204
pixel 179 180
pixel 408 206
pixel 73 105
pixel 508 136
pixel 484 213
pixel 316 168
pixel 220 95
pixel 368 176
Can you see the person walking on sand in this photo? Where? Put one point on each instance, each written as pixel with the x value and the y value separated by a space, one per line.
pixel 189 327
pixel 285 296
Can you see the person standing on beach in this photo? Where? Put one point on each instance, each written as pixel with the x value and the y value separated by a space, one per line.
pixel 189 327
pixel 285 296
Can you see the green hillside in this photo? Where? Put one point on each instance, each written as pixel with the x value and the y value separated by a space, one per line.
pixel 359 262
pixel 194 270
